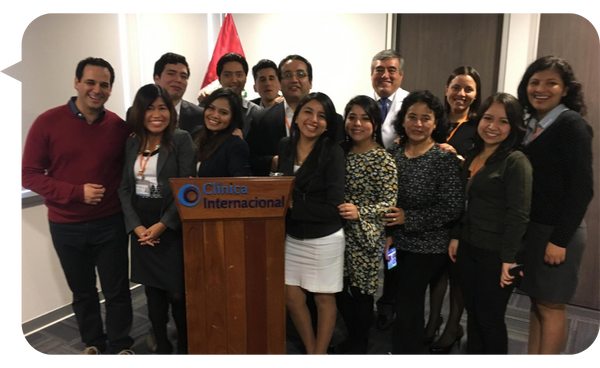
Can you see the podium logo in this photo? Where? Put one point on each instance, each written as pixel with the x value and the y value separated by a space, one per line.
pixel 211 197
pixel 189 195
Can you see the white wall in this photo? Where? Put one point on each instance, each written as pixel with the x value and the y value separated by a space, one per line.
pixel 339 47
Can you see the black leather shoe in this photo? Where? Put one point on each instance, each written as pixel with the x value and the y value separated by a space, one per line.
pixel 436 349
pixel 384 322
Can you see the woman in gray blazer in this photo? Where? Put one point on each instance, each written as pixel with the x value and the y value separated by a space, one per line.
pixel 155 154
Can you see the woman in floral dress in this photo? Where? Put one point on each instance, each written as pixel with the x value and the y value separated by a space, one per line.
pixel 371 187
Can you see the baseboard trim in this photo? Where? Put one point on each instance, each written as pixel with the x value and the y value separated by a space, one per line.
pixel 55 316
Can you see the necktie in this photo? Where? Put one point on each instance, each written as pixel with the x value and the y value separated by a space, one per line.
pixel 384 107
pixel 538 130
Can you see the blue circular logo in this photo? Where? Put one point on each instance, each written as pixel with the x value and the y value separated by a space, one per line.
pixel 189 195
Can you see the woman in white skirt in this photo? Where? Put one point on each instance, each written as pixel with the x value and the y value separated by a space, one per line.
pixel 314 247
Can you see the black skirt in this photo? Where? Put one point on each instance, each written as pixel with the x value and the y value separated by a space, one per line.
pixel 161 265
pixel 550 283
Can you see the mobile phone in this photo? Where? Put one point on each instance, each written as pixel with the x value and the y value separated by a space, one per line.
pixel 392 258
pixel 514 270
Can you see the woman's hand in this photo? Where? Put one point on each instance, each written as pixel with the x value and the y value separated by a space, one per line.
pixel 505 277
pixel 394 217
pixel 388 245
pixel 348 211
pixel 152 235
pixel 140 231
pixel 447 147
pixel 555 255
pixel 452 249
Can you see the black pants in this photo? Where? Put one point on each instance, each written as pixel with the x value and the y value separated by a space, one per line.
pixel 356 308
pixel 158 314
pixel 415 271
pixel 485 300
pixel 82 247
pixel 385 303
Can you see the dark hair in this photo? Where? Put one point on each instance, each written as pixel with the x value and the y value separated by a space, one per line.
pixel 325 141
pixel 440 132
pixel 207 143
pixel 145 97
pixel 388 54
pixel 263 64
pixel 229 57
pixel 471 72
pixel 296 57
pixel 573 100
pixel 169 58
pixel 95 62
pixel 514 113
pixel 372 110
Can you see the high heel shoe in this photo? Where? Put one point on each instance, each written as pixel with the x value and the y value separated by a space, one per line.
pixel 429 339
pixel 446 349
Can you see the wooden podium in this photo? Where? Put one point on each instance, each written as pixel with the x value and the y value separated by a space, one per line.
pixel 233 239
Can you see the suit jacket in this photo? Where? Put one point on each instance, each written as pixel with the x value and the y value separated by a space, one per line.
pixel 191 117
pixel 230 159
pixel 388 133
pixel 268 127
pixel 256 101
pixel 318 190
pixel 176 163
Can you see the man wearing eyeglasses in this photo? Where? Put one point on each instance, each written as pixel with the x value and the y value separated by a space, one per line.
pixel 272 124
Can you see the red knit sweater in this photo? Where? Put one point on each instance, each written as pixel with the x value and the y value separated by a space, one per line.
pixel 63 152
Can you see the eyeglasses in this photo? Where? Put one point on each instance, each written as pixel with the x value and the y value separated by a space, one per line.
pixel 298 73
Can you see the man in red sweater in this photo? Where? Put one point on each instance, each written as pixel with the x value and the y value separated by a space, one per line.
pixel 73 158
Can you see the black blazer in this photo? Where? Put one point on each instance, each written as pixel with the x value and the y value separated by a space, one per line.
pixel 191 117
pixel 268 127
pixel 230 159
pixel 176 163
pixel 318 191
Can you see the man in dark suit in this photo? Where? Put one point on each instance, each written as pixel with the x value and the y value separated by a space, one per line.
pixel 272 124
pixel 172 72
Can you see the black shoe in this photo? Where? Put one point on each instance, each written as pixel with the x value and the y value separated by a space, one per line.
pixel 345 347
pixel 429 339
pixel 434 349
pixel 384 322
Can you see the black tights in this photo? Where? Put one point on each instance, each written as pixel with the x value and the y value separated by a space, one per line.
pixel 356 309
pixel 158 313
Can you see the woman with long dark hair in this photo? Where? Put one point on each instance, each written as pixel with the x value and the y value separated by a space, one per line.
pixel 462 100
pixel 155 154
pixel 314 246
pixel 221 153
pixel 371 187
pixel 497 177
pixel 559 146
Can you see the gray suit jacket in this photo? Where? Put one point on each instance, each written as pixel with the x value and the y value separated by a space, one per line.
pixel 179 162
pixel 191 117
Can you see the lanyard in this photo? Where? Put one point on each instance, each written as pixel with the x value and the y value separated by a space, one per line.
pixel 144 161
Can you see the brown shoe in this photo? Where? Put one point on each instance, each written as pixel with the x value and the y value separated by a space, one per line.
pixel 90 350
pixel 126 352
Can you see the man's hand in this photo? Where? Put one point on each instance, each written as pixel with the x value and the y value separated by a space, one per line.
pixel 238 132
pixel 203 96
pixel 93 193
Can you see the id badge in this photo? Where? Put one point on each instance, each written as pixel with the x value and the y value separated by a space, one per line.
pixel 142 190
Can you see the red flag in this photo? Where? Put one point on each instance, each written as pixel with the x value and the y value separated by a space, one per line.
pixel 228 41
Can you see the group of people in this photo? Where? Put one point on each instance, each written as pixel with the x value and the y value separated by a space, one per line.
pixel 480 194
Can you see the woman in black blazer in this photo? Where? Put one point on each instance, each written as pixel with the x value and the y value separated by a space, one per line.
pixel 157 153
pixel 559 146
pixel 314 247
pixel 221 153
